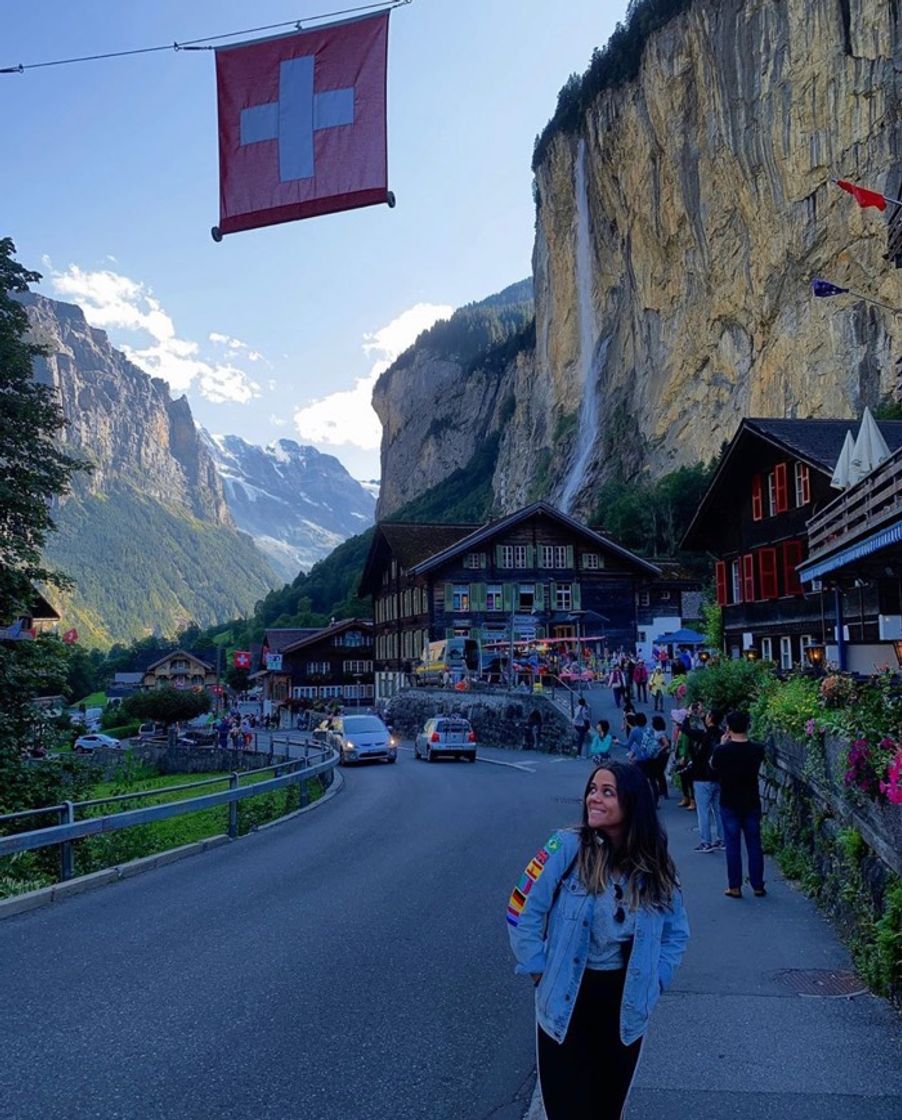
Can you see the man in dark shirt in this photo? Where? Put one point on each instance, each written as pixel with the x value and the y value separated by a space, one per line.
pixel 737 762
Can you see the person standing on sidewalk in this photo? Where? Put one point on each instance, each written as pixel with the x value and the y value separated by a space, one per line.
pixel 640 680
pixel 582 721
pixel 656 688
pixel 615 683
pixel 737 763
pixel 597 921
pixel 705 786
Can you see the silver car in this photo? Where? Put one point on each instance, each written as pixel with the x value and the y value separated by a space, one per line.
pixel 446 735
pixel 359 739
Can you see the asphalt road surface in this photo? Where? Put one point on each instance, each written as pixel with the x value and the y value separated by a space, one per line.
pixel 352 963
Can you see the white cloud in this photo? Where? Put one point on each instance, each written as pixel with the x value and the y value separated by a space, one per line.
pixel 117 303
pixel 347 417
pixel 277 421
pixel 235 345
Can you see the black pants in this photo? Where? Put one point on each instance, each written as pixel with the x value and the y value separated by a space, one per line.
pixel 588 1075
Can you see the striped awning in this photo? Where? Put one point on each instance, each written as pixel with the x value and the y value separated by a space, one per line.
pixel 866 547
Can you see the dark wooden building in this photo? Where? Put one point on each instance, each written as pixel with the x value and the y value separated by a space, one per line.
pixel 536 573
pixel 298 668
pixel 773 478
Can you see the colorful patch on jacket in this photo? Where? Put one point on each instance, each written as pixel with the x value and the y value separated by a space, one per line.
pixel 534 869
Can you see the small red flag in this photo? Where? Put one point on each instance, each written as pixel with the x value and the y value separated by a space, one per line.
pixel 71 636
pixel 302 124
pixel 241 659
pixel 862 195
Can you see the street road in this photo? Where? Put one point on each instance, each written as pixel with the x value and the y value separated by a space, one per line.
pixel 352 963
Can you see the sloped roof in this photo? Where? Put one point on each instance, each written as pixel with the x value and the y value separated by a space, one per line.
pixel 276 640
pixel 818 442
pixel 410 543
pixel 179 653
pixel 328 631
pixel 815 442
pixel 478 537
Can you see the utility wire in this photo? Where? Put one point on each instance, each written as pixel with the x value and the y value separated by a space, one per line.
pixel 194 44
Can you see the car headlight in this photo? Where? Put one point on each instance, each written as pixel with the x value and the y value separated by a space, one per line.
pixel 393 742
pixel 348 745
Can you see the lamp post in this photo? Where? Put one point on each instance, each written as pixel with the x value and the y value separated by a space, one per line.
pixel 815 652
pixel 751 655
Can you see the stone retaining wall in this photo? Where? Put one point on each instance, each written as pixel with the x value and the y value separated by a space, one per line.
pixel 180 760
pixel 499 719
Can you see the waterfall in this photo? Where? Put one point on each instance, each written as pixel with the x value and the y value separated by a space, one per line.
pixel 590 362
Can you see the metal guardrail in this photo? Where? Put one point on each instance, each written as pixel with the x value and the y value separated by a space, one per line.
pixel 69 829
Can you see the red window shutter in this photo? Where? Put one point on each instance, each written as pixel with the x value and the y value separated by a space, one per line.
pixel 748 578
pixel 767 572
pixel 780 487
pixel 757 498
pixel 792 556
pixel 805 480
pixel 720 583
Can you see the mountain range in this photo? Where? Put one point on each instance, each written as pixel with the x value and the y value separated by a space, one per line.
pixel 171 526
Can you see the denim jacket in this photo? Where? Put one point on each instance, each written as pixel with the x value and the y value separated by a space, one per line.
pixel 551 936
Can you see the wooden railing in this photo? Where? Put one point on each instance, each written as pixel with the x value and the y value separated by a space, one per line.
pixel 862 509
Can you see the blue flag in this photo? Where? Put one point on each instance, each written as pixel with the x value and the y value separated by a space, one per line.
pixel 825 288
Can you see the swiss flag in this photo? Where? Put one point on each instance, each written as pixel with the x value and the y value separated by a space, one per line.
pixel 70 636
pixel 302 124
pixel 241 659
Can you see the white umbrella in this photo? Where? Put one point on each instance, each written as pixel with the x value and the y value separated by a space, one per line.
pixel 870 448
pixel 840 479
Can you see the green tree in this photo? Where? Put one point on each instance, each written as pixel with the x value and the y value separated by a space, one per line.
pixel 238 680
pixel 33 467
pixel 166 705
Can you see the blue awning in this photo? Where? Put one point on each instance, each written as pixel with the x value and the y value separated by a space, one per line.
pixel 871 544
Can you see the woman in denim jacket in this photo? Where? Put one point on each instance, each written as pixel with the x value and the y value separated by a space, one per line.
pixel 597 921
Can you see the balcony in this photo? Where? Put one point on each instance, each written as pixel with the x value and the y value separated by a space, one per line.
pixel 874 503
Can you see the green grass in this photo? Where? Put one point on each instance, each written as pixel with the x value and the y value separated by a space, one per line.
pixel 94 700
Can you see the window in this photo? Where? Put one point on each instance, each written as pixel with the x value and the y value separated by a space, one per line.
pixel 767 650
pixel 460 599
pixel 786 652
pixel 527 596
pixel 641 635
pixel 563 596
pixel 505 556
pixel 665 596
pixel 803 484
pixel 360 666
pixel 771 495
pixel 178 665
pixel 748 578
pixel 520 556
pixel 474 560
pixel 330 691
pixel 757 498
pixel 767 572
pixel 781 488
pixel 556 556
pixel 720 585
pixel 792 557
pixel 644 598
pixel 493 597
pixel 304 692
pixel 736 581
pixel 592 561
pixel 350 638
pixel 315 668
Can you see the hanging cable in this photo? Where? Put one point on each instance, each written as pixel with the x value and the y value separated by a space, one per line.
pixel 195 44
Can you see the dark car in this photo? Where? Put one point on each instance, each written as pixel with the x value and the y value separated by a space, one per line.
pixel 197 738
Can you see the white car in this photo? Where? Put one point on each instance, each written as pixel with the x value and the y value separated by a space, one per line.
pixel 446 735
pixel 85 744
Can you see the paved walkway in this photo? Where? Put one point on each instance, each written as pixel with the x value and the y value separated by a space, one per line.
pixel 732 1038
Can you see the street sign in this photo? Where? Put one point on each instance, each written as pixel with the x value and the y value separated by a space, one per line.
pixel 274 662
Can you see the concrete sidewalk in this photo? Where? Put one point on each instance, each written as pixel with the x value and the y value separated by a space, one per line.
pixel 733 1037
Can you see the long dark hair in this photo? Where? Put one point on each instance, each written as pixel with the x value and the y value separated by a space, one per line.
pixel 642 855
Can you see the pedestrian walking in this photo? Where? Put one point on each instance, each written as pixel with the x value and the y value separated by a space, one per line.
pixel 659 727
pixel 642 749
pixel 705 786
pixel 737 763
pixel 640 680
pixel 597 921
pixel 682 763
pixel 533 731
pixel 627 667
pixel 582 721
pixel 616 684
pixel 656 688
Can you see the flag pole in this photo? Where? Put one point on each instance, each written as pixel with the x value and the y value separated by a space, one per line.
pixel 876 302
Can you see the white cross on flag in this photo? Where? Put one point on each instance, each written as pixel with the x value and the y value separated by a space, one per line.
pixel 302 124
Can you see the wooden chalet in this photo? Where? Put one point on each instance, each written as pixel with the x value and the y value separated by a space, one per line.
pixel 304 667
pixel 40 618
pixel 772 480
pixel 537 573
pixel 180 668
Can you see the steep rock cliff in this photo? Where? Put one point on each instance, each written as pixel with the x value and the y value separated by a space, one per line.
pixel 678 227
pixel 147 534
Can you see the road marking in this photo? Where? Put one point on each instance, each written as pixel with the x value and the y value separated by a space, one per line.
pixel 494 762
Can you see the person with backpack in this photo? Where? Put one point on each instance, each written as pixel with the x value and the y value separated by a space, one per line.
pixel 597 922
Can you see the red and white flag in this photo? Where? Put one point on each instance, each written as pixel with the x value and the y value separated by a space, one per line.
pixel 241 659
pixel 862 195
pixel 70 636
pixel 302 126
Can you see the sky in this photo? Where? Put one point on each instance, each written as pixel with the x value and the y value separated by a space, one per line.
pixel 109 187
